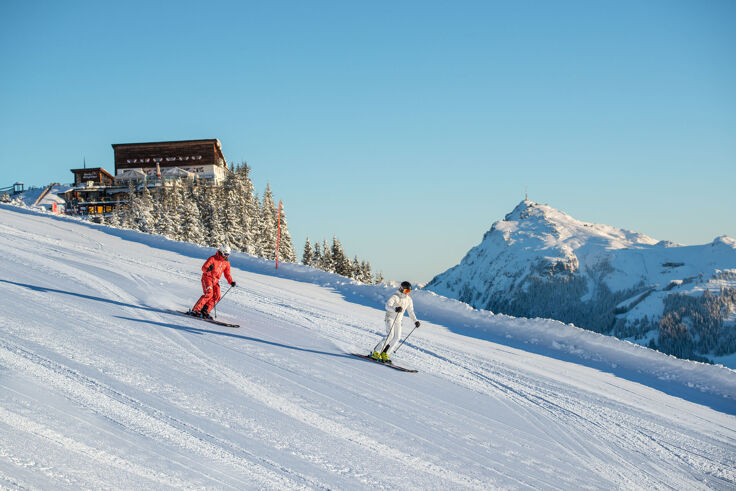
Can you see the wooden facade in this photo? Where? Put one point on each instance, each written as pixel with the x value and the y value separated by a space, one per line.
pixel 97 175
pixel 201 158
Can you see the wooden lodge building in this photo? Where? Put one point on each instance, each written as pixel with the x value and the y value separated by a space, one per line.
pixel 202 159
pixel 94 192
pixel 152 164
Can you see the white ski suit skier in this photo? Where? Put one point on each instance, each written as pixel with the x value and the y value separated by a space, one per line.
pixel 393 321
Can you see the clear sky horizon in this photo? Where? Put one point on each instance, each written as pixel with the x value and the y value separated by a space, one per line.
pixel 404 128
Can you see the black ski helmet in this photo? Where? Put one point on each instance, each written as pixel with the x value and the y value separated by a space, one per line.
pixel 405 285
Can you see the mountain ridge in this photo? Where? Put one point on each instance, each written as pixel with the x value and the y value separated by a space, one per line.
pixel 541 262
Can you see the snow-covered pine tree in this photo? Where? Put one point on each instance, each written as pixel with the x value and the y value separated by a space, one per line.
pixel 308 254
pixel 366 276
pixel 210 212
pixel 317 258
pixel 340 262
pixel 158 210
pixel 127 219
pixel 191 221
pixel 378 278
pixel 327 264
pixel 286 246
pixel 266 240
pixel 142 212
pixel 355 269
pixel 116 218
pixel 231 217
pixel 174 210
pixel 248 209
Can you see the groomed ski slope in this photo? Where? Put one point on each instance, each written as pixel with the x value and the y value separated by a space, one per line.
pixel 101 387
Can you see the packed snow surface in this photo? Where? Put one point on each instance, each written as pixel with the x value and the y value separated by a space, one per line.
pixel 102 386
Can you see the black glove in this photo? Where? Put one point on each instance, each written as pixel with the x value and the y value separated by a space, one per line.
pixel 212 266
pixel 416 324
pixel 398 309
pixel 232 284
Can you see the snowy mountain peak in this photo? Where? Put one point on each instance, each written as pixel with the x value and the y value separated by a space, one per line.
pixel 541 262
pixel 548 228
pixel 724 241
pixel 536 212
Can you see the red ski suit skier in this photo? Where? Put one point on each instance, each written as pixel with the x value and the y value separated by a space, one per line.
pixel 212 270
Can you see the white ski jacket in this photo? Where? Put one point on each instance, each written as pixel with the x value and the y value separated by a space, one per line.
pixel 399 299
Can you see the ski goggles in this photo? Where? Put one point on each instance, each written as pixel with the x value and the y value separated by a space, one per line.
pixel 406 290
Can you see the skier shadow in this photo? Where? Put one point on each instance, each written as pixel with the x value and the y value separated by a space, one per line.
pixel 200 331
pixel 44 289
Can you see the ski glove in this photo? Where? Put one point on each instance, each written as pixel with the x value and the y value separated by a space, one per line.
pixel 398 309
pixel 212 266
pixel 232 284
pixel 416 324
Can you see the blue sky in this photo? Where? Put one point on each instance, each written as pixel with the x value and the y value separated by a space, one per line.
pixel 404 128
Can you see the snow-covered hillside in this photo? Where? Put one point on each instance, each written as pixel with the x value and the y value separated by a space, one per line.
pixel 539 261
pixel 43 197
pixel 101 386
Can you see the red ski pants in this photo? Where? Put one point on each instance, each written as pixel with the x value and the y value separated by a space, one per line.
pixel 211 295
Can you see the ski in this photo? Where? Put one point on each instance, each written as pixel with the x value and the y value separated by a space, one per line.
pixel 390 365
pixel 211 321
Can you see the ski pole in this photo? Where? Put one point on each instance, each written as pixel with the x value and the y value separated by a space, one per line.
pixel 407 337
pixel 214 308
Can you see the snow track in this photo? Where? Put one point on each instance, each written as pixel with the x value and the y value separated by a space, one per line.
pixel 134 416
pixel 101 387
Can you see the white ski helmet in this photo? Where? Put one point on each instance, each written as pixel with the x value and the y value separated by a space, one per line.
pixel 224 249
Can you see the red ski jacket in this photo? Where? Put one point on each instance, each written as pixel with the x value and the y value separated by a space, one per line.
pixel 219 265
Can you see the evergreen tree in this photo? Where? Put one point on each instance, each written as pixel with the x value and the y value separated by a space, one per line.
pixel 355 269
pixel 174 207
pixel 366 276
pixel 308 254
pixel 191 222
pixel 116 218
pixel 232 224
pixel 286 247
pixel 249 209
pixel 266 240
pixel 340 262
pixel 127 216
pixel 159 212
pixel 327 264
pixel 210 213
pixel 142 212
pixel 317 258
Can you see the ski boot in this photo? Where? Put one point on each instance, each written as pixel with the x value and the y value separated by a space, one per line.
pixel 194 313
pixel 376 356
pixel 385 358
pixel 204 313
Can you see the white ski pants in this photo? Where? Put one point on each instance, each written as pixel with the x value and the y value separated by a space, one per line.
pixel 393 334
